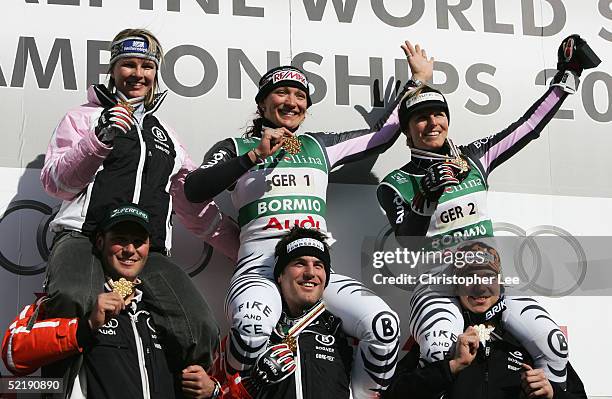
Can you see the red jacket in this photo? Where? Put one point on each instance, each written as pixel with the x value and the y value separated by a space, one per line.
pixel 32 341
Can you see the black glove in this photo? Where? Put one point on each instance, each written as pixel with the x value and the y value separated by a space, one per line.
pixel 113 121
pixel 437 177
pixel 575 55
pixel 274 365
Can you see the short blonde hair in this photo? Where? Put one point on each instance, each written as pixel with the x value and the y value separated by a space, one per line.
pixel 154 46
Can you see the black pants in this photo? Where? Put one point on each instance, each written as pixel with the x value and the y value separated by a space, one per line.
pixel 75 278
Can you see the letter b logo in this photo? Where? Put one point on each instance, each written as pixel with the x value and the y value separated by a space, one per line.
pixel 385 327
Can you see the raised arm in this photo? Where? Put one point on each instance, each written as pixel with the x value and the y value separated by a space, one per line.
pixel 355 145
pixel 574 55
pixel 219 170
pixel 81 142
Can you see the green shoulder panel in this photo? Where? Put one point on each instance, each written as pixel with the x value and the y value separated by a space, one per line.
pixel 404 184
pixel 311 154
pixel 245 144
pixel 473 183
pixel 407 184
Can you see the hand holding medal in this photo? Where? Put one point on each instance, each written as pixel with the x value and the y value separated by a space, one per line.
pixel 107 306
pixel 113 121
pixel 273 140
pixel 437 177
pixel 128 107
pixel 466 348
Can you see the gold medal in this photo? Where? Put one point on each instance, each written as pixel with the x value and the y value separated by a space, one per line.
pixel 123 287
pixel 291 343
pixel 461 163
pixel 292 145
pixel 127 106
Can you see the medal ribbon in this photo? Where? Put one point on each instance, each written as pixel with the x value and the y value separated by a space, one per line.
pixel 432 156
pixel 454 157
pixel 306 320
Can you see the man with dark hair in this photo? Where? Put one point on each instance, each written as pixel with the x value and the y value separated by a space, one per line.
pixel 486 361
pixel 114 351
pixel 312 358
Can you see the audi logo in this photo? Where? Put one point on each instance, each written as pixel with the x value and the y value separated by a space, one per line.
pixel 48 214
pixel 41 236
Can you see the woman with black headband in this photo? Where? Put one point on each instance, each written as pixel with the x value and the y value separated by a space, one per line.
pixel 278 179
pixel 114 150
pixel 441 193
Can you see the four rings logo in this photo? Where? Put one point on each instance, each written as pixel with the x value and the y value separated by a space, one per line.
pixel 40 236
pixel 528 245
pixel 41 241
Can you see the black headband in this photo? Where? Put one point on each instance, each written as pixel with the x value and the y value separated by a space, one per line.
pixel 429 99
pixel 306 246
pixel 282 76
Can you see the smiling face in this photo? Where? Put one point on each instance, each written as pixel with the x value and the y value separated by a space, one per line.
pixel 428 128
pixel 134 77
pixel 124 250
pixel 285 107
pixel 478 298
pixel 302 283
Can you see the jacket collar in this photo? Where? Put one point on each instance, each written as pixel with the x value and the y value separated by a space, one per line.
pixel 100 95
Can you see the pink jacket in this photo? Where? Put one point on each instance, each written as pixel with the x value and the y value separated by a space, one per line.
pixel 75 156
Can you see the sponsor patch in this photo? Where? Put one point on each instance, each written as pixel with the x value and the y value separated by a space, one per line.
pixel 109 327
pixel 327 340
pixel 289 75
pixel 130 211
pixel 137 46
pixel 329 358
pixel 429 96
pixel 159 134
pixel 385 327
pixel 558 343
pixel 305 242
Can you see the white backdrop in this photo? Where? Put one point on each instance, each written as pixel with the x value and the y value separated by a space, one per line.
pixel 489 57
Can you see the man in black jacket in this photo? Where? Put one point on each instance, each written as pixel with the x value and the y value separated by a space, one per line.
pixel 115 351
pixel 487 361
pixel 322 354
